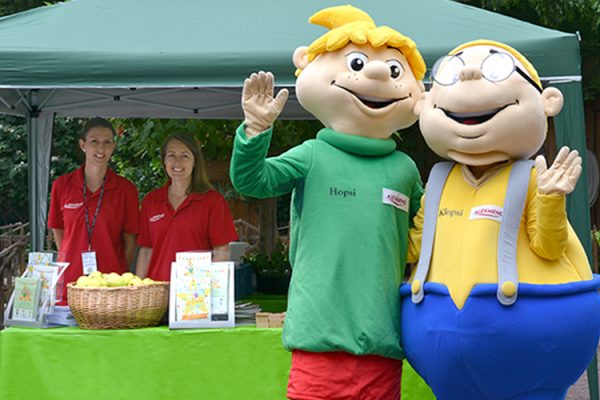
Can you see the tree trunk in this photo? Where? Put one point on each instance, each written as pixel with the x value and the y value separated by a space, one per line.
pixel 268 226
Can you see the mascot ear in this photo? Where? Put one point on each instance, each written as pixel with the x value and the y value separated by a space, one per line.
pixel 419 104
pixel 553 100
pixel 300 57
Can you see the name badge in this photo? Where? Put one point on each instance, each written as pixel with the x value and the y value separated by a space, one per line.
pixel 396 199
pixel 487 212
pixel 88 260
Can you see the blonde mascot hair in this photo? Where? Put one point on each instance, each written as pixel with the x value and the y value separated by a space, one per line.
pixel 349 24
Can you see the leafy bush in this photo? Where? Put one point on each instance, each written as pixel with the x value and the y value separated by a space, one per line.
pixel 278 264
pixel 64 157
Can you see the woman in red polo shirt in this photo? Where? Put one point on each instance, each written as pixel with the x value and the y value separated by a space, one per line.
pixel 94 213
pixel 186 214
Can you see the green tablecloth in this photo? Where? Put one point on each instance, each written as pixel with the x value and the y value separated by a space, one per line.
pixel 244 363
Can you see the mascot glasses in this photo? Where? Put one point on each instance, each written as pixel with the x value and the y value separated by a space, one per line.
pixel 496 67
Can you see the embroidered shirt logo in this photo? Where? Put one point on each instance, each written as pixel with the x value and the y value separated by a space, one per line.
pixel 487 212
pixel 72 206
pixel 446 212
pixel 156 217
pixel 396 199
pixel 333 191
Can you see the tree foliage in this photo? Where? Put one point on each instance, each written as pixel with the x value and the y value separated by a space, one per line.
pixel 13 6
pixel 582 16
pixel 65 156
pixel 137 157
pixel 13 185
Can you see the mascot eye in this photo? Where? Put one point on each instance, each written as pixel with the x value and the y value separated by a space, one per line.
pixel 356 61
pixel 446 70
pixel 497 67
pixel 396 69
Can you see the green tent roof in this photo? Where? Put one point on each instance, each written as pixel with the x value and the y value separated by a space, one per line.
pixel 158 43
pixel 188 59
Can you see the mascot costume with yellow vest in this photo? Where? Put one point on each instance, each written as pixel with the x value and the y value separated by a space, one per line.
pixel 502 304
pixel 353 199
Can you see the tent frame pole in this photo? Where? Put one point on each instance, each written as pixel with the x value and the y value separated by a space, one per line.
pixel 33 158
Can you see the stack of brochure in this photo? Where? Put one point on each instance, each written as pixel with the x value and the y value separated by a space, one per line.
pixel 62 316
pixel 35 292
pixel 26 299
pixel 245 313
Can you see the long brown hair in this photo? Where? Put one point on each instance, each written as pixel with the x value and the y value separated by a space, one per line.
pixel 200 182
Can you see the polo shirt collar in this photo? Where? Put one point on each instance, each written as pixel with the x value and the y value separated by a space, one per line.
pixel 360 145
pixel 164 195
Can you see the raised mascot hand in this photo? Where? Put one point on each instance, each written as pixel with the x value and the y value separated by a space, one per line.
pixel 260 108
pixel 563 174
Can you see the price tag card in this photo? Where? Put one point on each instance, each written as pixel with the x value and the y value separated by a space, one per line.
pixel 88 260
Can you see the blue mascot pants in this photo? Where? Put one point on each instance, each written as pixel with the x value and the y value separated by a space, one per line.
pixel 534 349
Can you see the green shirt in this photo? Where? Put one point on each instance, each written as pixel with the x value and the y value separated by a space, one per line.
pixel 347 247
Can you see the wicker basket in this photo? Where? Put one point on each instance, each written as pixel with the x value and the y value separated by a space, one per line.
pixel 118 307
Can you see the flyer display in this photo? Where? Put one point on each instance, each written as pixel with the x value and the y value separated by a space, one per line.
pixel 35 294
pixel 201 293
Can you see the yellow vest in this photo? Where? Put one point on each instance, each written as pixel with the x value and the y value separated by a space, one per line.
pixel 466 238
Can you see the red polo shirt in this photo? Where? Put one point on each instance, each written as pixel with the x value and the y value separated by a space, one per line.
pixel 118 214
pixel 202 222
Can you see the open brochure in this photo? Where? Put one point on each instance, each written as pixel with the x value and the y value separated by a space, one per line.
pixel 202 293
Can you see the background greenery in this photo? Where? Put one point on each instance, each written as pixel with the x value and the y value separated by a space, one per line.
pixel 139 140
pixel 582 16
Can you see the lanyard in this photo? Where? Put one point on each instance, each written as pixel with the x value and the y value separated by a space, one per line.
pixel 90 229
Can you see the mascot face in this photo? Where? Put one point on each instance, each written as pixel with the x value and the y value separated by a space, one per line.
pixel 359 90
pixel 484 108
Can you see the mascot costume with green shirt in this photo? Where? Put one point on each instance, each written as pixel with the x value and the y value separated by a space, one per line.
pixel 503 304
pixel 354 196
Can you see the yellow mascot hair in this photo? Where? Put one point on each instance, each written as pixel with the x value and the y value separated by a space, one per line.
pixel 349 24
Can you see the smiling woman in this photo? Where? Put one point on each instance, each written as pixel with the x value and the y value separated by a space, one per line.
pixel 93 211
pixel 184 215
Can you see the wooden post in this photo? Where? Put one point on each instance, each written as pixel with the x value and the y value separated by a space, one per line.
pixel 268 226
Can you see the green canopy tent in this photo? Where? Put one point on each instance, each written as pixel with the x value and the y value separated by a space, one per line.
pixel 188 59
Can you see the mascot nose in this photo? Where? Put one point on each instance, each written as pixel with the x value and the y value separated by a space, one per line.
pixel 377 70
pixel 470 72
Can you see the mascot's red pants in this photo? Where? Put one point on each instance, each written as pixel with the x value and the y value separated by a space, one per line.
pixel 343 376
